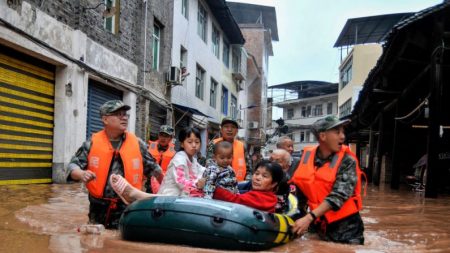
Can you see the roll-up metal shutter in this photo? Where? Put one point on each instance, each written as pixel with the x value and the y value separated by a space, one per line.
pixel 157 118
pixel 98 94
pixel 26 118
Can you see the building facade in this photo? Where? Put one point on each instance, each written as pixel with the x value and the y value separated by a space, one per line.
pixel 360 46
pixel 259 26
pixel 207 48
pixel 60 61
pixel 313 100
pixel 353 71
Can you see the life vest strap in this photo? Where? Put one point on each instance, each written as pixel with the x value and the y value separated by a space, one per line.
pixel 112 206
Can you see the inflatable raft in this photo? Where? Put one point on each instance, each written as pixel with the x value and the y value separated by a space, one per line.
pixel 203 223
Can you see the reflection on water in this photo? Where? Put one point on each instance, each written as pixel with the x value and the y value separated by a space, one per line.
pixel 45 218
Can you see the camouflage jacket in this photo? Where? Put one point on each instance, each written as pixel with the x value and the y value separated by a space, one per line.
pixel 344 185
pixel 210 160
pixel 80 160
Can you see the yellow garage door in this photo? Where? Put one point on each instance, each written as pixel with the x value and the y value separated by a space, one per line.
pixel 26 118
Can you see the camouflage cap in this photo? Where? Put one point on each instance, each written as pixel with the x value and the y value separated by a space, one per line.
pixel 327 123
pixel 226 120
pixel 113 106
pixel 166 129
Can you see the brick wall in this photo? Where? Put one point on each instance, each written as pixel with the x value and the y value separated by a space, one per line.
pixel 131 41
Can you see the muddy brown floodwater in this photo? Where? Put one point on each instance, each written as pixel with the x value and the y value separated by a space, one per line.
pixel 45 218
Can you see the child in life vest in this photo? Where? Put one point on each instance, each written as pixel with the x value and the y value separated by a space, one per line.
pixel 219 171
pixel 265 181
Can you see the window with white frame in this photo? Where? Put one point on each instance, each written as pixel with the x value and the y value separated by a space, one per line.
pixel 111 24
pixel 317 110
pixel 215 42
pixel 290 113
pixel 236 60
pixel 185 8
pixel 233 106
pixel 213 93
pixel 224 100
pixel 202 19
pixel 302 136
pixel 226 54
pixel 199 82
pixel 307 134
pixel 330 108
pixel 306 111
pixel 346 73
pixel 156 40
pixel 183 64
pixel 346 108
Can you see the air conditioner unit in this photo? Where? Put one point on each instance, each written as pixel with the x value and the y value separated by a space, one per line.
pixel 174 76
pixel 253 125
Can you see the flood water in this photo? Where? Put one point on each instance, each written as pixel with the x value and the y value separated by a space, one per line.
pixel 45 218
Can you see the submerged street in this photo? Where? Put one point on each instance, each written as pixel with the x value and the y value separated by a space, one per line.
pixel 45 218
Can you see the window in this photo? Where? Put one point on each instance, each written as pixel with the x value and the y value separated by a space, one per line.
pixel 346 73
pixel 317 110
pixel 213 93
pixel 111 24
pixel 233 107
pixel 302 136
pixel 156 44
pixel 346 108
pixel 307 136
pixel 306 111
pixel 199 82
pixel 330 108
pixel 226 54
pixel 224 100
pixel 215 41
pixel 184 8
pixel 183 64
pixel 235 61
pixel 201 22
pixel 290 113
pixel 183 57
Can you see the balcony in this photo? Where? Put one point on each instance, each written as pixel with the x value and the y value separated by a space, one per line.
pixel 238 63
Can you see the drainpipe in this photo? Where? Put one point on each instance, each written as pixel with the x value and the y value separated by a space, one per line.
pixel 145 43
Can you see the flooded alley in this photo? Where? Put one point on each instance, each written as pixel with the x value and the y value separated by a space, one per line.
pixel 45 218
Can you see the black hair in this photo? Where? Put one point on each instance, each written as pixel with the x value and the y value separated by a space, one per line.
pixel 274 169
pixel 222 144
pixel 186 132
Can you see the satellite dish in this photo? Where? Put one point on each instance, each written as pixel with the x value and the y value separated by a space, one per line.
pixel 109 12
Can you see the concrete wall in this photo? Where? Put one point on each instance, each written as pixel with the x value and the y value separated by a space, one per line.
pixel 364 58
pixel 257 76
pixel 200 53
pixel 70 108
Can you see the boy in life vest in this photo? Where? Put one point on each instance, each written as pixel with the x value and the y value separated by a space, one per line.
pixel 112 150
pixel 241 162
pixel 329 178
pixel 162 150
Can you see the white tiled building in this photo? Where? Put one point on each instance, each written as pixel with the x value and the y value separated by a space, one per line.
pixel 208 43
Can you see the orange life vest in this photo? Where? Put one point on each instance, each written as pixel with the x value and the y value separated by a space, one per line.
pixel 317 183
pixel 101 155
pixel 238 162
pixel 162 158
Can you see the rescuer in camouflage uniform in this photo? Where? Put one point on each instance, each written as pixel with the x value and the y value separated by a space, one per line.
pixel 103 210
